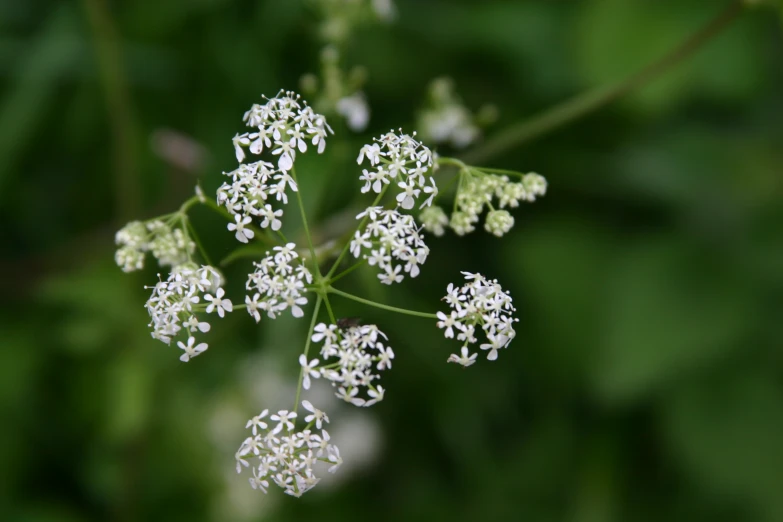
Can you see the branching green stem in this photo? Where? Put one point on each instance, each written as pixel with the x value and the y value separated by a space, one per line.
pixel 310 330
pixel 586 103
pixel 304 224
pixel 382 306
pixel 348 241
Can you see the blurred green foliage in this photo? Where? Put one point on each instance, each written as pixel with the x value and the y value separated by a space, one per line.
pixel 646 380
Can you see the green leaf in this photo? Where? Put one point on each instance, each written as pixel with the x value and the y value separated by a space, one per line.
pixel 670 309
pixel 726 432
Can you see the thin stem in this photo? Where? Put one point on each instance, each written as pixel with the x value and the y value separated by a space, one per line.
pixel 455 162
pixel 488 170
pixel 307 348
pixel 346 271
pixel 329 309
pixel 196 239
pixel 111 68
pixel 588 102
pixel 304 223
pixel 382 306
pixel 348 242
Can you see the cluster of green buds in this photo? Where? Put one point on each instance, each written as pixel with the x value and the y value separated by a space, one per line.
pixel 480 187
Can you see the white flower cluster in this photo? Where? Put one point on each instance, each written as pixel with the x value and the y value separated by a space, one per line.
pixel 477 189
pixel 278 283
pixel 284 455
pixel 447 120
pixel 359 351
pixel 399 158
pixel 252 185
pixel 171 247
pixel 480 303
pixel 393 242
pixel 285 124
pixel 355 110
pixel 174 303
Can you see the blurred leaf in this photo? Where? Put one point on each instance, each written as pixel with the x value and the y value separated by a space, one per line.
pixel 671 309
pixel 28 102
pixel 560 266
pixel 726 434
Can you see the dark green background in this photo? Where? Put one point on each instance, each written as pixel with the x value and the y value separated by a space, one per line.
pixel 646 380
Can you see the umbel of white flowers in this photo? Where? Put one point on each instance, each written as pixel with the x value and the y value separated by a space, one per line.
pixel 350 358
pixel 284 455
pixel 285 124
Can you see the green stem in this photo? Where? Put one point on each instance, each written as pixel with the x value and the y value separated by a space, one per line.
pixel 317 272
pixel 329 309
pixel 488 170
pixel 348 242
pixel 382 306
pixel 588 102
pixel 454 162
pixel 111 69
pixel 307 348
pixel 196 239
pixel 346 271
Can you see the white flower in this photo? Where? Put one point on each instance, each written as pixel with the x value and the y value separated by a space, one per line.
pixel 317 416
pixel 355 110
pixel 465 359
pixel 256 423
pixel 171 305
pixel 217 303
pixel 242 233
pixel 356 351
pixel 376 395
pixel 308 370
pixel 283 124
pixel 284 420
pixel 284 456
pixel 448 322
pixel 393 241
pixel 278 283
pixel 334 458
pixel 480 304
pixel 400 158
pixel 191 350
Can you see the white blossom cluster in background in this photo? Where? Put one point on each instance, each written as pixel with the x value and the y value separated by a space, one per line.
pixel 284 455
pixel 171 247
pixel 475 191
pixel 393 242
pixel 355 110
pixel 278 283
pixel 400 159
pixel 446 120
pixel 480 304
pixel 283 125
pixel 350 358
pixel 174 303
pixel 341 17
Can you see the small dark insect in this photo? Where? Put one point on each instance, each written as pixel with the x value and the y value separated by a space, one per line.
pixel 344 323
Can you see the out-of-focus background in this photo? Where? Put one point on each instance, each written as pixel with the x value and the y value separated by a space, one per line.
pixel 646 379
